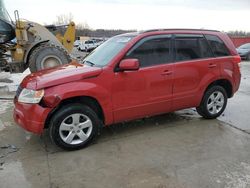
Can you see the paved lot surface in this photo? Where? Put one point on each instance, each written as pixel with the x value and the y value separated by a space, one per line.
pixel 176 150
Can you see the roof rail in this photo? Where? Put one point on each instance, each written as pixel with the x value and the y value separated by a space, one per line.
pixel 153 30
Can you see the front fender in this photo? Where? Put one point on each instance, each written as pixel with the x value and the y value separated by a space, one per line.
pixel 56 94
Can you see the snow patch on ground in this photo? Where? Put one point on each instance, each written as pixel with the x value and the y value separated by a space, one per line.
pixel 15 78
pixel 5 105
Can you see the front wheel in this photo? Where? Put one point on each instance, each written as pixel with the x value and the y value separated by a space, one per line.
pixel 74 126
pixel 213 103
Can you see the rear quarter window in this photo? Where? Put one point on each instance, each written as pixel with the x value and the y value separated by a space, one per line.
pixel 217 45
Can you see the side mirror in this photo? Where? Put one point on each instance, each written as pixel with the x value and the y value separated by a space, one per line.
pixel 129 65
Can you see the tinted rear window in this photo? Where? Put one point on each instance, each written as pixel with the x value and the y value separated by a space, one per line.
pixel 218 47
pixel 191 47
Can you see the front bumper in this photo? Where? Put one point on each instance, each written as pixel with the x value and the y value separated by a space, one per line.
pixel 31 117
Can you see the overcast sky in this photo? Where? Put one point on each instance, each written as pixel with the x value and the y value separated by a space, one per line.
pixel 223 15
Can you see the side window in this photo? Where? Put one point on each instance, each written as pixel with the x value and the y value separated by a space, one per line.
pixel 188 48
pixel 152 52
pixel 218 47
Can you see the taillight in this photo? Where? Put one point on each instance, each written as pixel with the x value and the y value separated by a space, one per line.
pixel 237 59
pixel 239 65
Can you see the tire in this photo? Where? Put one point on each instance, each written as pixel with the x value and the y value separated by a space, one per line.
pixel 68 127
pixel 213 102
pixel 46 56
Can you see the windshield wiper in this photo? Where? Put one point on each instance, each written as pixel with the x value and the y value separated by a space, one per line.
pixel 89 62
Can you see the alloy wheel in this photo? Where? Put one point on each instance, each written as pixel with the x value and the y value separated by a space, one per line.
pixel 215 102
pixel 75 129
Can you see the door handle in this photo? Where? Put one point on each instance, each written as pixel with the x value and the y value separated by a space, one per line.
pixel 212 65
pixel 167 72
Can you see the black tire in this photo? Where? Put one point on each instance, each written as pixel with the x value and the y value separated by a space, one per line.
pixel 210 109
pixel 46 56
pixel 63 115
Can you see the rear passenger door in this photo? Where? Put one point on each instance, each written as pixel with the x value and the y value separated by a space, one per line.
pixel 194 67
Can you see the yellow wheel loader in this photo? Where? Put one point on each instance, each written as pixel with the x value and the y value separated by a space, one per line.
pixel 28 44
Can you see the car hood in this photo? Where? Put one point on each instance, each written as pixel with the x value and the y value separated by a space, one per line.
pixel 59 75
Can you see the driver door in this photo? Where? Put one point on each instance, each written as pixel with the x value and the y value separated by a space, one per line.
pixel 147 91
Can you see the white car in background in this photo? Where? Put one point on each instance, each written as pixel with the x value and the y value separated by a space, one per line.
pixel 87 46
pixel 98 41
pixel 77 43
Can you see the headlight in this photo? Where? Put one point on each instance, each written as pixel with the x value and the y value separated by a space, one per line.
pixel 30 96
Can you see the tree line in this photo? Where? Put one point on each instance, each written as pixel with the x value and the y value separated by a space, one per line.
pixel 238 33
pixel 83 29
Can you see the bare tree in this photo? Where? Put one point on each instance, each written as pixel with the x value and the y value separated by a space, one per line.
pixel 82 26
pixel 64 19
pixel 239 33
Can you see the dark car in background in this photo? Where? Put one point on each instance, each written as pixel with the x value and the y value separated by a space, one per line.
pixel 244 51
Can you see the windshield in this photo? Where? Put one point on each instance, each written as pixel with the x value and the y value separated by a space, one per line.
pixel 245 46
pixel 3 13
pixel 102 55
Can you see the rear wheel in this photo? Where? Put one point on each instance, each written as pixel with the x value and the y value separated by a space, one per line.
pixel 74 126
pixel 213 103
pixel 46 56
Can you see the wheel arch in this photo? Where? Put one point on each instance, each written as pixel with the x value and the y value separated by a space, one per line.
pixel 87 100
pixel 226 84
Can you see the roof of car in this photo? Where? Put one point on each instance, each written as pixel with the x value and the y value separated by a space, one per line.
pixel 177 29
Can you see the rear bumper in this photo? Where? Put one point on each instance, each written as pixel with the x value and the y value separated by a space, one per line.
pixel 31 117
pixel 244 56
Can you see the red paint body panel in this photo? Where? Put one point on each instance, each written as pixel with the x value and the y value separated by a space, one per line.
pixel 128 95
pixel 190 79
pixel 30 116
pixel 145 92
pixel 59 75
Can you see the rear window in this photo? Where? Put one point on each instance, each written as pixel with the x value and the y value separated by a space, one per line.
pixel 88 42
pixel 218 47
pixel 188 47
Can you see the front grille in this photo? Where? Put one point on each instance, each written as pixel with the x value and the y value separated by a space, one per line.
pixel 18 91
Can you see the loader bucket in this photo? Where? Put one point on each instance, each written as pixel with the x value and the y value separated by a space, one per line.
pixel 7 30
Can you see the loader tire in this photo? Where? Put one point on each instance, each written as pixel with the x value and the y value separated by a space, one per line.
pixel 46 56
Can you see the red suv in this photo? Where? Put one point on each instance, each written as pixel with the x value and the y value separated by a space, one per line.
pixel 128 77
